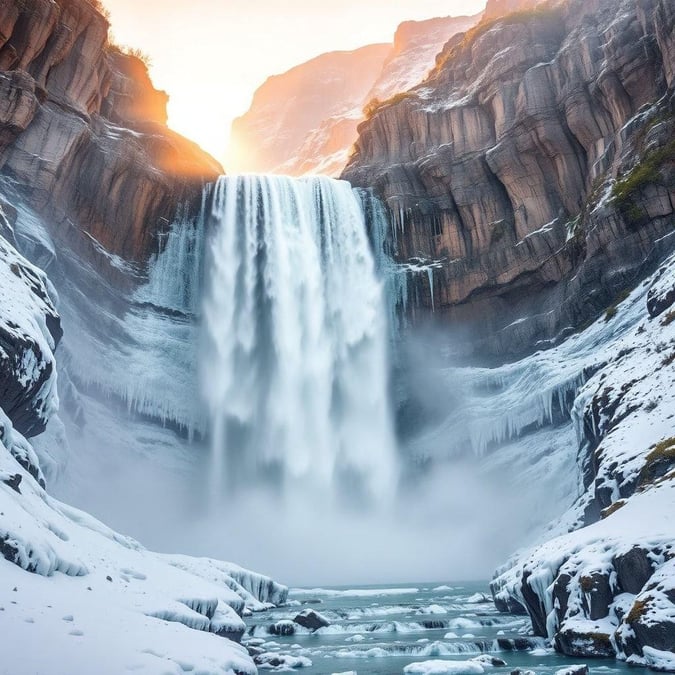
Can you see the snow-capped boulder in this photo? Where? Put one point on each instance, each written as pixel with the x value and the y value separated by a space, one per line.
pixel 310 619
pixel 274 661
pixel 573 670
pixel 283 627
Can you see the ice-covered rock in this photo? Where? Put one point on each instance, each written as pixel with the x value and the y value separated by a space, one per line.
pixel 607 587
pixel 573 670
pixel 29 332
pixel 274 661
pixel 489 660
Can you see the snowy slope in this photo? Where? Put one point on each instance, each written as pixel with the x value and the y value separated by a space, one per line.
pixel 92 599
pixel 605 584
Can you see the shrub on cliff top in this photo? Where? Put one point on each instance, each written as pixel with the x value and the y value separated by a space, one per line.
pixel 645 172
pixel 375 105
pixel 134 52
pixel 101 8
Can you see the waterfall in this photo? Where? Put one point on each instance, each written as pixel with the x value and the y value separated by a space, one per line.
pixel 294 357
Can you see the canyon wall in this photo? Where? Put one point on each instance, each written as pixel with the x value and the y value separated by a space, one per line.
pixel 83 136
pixel 531 174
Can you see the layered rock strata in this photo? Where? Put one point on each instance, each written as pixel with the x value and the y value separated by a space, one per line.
pixel 532 172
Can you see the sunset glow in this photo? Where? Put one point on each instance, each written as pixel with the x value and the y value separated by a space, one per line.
pixel 211 55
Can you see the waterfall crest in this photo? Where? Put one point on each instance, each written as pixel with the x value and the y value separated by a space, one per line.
pixel 294 360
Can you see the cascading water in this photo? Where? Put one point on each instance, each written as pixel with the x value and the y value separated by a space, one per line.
pixel 294 365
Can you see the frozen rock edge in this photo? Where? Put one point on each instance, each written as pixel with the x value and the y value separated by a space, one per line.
pixel 92 599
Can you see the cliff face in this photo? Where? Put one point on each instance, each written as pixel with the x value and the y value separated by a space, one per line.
pixel 532 171
pixel 305 121
pixel 83 136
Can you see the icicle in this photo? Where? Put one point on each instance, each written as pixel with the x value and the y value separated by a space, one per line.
pixel 430 275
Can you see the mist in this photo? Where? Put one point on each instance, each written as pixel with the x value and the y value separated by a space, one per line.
pixel 450 517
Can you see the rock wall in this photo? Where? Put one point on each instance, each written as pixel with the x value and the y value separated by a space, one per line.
pixel 83 136
pixel 532 172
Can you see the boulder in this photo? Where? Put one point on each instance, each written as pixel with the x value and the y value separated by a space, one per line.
pixel 573 670
pixel 282 628
pixel 576 642
pixel 310 619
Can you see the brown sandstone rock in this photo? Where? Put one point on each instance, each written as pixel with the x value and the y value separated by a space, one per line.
pixel 83 135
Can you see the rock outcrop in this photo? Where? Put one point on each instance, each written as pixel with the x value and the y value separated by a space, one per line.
pixel 83 136
pixel 305 120
pixel 532 172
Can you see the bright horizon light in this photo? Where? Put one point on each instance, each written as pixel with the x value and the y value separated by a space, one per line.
pixel 211 55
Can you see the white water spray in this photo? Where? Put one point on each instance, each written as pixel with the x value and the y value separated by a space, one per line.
pixel 294 367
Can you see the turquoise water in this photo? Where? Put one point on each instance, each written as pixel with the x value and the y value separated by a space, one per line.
pixel 378 630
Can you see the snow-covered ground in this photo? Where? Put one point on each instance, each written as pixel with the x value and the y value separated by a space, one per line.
pixel 76 597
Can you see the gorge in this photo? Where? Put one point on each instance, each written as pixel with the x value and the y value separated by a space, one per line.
pixel 454 360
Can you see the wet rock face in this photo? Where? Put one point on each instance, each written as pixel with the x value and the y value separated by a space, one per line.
pixel 83 135
pixel 501 166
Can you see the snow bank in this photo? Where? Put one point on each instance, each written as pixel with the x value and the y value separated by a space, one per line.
pixel 75 587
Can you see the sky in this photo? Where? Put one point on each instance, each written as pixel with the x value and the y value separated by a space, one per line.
pixel 211 55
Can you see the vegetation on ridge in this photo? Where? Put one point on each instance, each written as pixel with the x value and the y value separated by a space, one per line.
pixel 375 105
